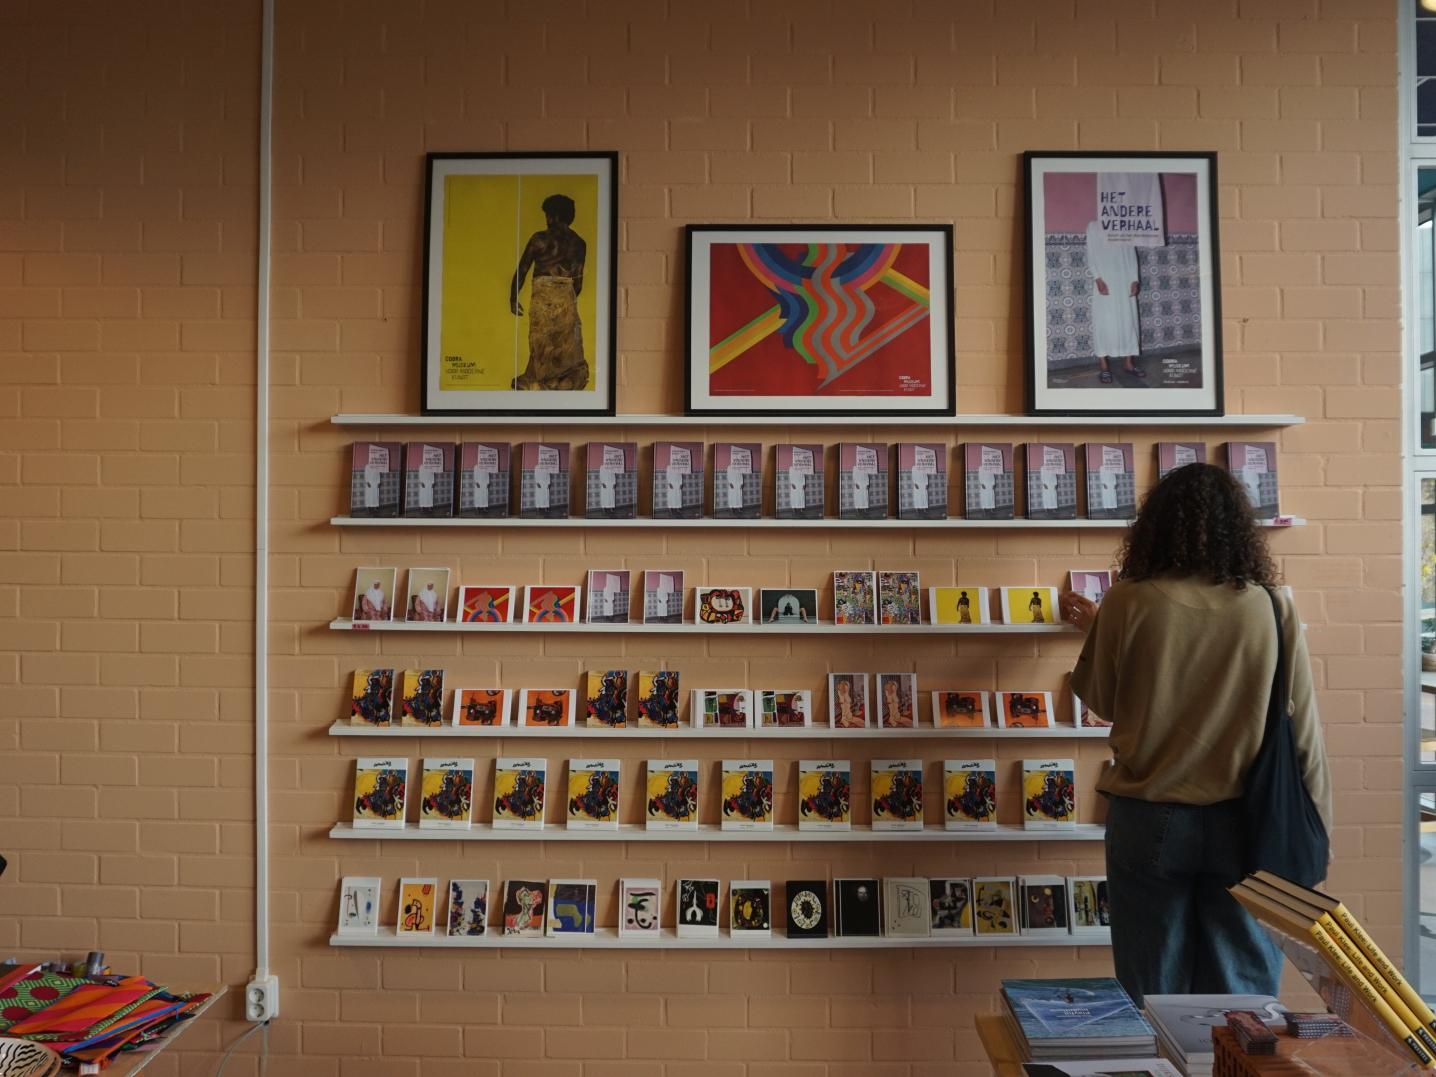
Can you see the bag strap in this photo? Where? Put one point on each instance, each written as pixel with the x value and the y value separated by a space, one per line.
pixel 1277 703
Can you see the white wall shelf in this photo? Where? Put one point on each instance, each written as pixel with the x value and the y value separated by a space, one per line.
pixel 825 524
pixel 344 624
pixel 926 423
pixel 711 832
pixel 606 938
pixel 817 732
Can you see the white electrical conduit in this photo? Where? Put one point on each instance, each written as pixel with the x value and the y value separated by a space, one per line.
pixel 261 506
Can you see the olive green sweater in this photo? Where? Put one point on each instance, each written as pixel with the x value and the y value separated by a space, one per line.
pixel 1183 670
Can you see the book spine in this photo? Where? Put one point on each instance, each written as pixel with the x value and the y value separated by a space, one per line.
pixel 1383 965
pixel 1378 982
pixel 1338 960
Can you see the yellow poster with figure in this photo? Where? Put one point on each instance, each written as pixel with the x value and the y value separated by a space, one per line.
pixel 519 289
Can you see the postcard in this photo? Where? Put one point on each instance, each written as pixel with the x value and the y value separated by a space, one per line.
pixel 428 595
pixel 720 606
pixel 957 605
pixel 544 604
pixel 608 596
pixel 848 701
pixel 960 710
pixel 418 899
pixel 482 706
pixel 486 604
pixel 374 594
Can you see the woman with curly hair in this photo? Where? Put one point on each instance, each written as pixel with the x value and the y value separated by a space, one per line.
pixel 1181 659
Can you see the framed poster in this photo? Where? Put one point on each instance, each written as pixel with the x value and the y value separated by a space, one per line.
pixel 1123 289
pixel 846 320
pixel 520 272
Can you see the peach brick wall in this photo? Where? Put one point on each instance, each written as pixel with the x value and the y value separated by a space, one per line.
pixel 126 284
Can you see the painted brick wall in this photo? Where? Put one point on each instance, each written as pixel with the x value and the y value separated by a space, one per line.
pixel 126 284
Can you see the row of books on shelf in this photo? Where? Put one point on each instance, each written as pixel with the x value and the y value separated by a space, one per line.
pixel 853 702
pixel 895 908
pixel 860 598
pixel 425 479
pixel 824 797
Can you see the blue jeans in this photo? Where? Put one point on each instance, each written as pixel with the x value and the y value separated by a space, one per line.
pixel 1175 929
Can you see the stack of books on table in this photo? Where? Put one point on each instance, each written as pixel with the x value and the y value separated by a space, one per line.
pixel 1096 1067
pixel 1184 1024
pixel 1076 1019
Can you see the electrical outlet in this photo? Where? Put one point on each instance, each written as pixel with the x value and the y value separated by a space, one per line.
pixel 261 999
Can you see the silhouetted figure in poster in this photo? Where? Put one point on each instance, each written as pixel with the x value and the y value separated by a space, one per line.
pixel 557 256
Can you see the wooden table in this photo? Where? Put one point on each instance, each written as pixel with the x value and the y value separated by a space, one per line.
pixel 1002 1050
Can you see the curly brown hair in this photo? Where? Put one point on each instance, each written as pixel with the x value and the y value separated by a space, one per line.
pixel 1197 522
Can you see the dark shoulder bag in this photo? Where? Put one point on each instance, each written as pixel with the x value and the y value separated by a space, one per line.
pixel 1284 832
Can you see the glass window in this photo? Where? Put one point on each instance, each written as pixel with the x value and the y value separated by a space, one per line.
pixel 1425 68
pixel 1425 269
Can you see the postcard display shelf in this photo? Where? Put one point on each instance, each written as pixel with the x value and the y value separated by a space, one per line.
pixel 608 938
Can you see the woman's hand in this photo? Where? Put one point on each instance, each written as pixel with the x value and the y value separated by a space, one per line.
pixel 1077 609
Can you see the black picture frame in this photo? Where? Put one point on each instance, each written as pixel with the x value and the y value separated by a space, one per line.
pixel 1190 269
pixel 939 402
pixel 600 278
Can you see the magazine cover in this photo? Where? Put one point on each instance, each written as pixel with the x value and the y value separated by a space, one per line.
pixel 897 701
pixel 611 487
pixel 484 470
pixel 809 913
pixel 1090 583
pixel 482 706
pixel 374 594
pixel 1074 1009
pixel 856 908
pixel 1253 465
pixel 428 595
pixel 1025 710
pixel 1111 481
pixel 718 607
pixel 572 904
pixel 785 708
pixel 422 698
pixel 969 794
pixel 958 605
pixel 989 490
pixel 960 710
pixel 994 905
pixel 788 606
pixel 737 480
pixel 897 794
pixel 798 482
pixel 359 905
pixel 468 907
pixel 418 900
pixel 848 701
pixel 547 708
pixel 1174 454
pixel 593 786
pixel 722 708
pixel 1087 908
pixel 446 794
pixel 371 703
pixel 672 789
pixel 750 908
pixel 922 481
pixel 1051 481
pixel 825 794
pixel 899 598
pixel 640 908
pixel 677 480
pixel 950 906
pixel 525 908
pixel 1043 901
pixel 519 793
pixel 375 478
pixel 543 481
pixel 554 606
pixel 662 598
pixel 697 914
pixel 1049 794
pixel 747 794
pixel 855 598
pixel 905 908
pixel 428 479
pixel 862 481
pixel 1030 606
pixel 608 597
pixel 482 604
pixel 658 699
pixel 605 699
